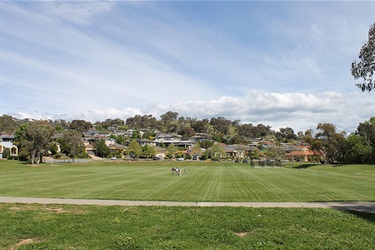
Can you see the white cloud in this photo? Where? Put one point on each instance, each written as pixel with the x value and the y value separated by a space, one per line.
pixel 297 110
pixel 281 64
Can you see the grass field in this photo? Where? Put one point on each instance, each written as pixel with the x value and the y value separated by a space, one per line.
pixel 29 226
pixel 213 181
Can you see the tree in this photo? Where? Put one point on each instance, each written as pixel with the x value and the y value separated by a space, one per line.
pixel 333 144
pixel 7 124
pixel 186 132
pixel 216 152
pixel 199 126
pixel 134 149
pixel 72 143
pixel 101 148
pixel 358 150
pixel 35 137
pixel 168 117
pixel 149 151
pixel 221 124
pixel 367 132
pixel 171 150
pixel 274 153
pixel 246 130
pixel 80 125
pixel 287 134
pixel 364 69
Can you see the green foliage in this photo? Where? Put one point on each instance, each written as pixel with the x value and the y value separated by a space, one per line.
pixel 274 153
pixel 333 144
pixel 23 155
pixel 134 149
pixel 72 143
pixel 54 148
pixel 101 148
pixel 80 125
pixel 171 151
pixel 59 128
pixel 6 153
pixel 149 151
pixel 7 124
pixel 35 137
pixel 136 134
pixel 364 69
pixel 328 144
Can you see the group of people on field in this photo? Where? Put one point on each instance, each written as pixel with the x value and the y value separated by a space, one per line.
pixel 177 171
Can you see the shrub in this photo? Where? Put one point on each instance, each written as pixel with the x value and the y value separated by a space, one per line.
pixel 23 155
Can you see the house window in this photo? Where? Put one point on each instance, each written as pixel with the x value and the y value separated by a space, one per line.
pixel 13 151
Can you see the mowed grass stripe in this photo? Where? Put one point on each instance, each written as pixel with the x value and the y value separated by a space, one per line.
pixel 323 185
pixel 203 182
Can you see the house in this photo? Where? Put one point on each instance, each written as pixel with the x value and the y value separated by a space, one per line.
pixel 304 154
pixel 144 142
pixel 160 153
pixel 7 138
pixel 118 149
pixel 164 140
pixel 234 151
pixel 13 149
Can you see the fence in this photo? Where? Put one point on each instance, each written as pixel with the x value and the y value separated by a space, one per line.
pixel 67 160
pixel 266 164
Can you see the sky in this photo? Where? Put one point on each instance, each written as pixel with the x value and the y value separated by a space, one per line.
pixel 279 63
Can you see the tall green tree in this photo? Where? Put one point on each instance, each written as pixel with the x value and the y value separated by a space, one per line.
pixel 221 124
pixel 171 150
pixel 357 149
pixel 101 148
pixel 7 124
pixel 72 143
pixel 167 118
pixel 365 67
pixel 35 137
pixel 134 149
pixel 367 132
pixel 149 151
pixel 334 144
pixel 200 126
pixel 80 125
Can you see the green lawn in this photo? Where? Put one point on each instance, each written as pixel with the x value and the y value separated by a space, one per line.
pixel 212 181
pixel 99 227
pixel 31 226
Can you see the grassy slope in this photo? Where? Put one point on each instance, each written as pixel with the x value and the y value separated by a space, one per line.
pixel 91 227
pixel 204 182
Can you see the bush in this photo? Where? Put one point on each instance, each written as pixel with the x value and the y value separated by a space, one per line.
pixel 6 153
pixel 57 156
pixel 83 155
pixel 23 155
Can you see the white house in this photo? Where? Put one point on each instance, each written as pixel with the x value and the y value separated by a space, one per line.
pixel 12 148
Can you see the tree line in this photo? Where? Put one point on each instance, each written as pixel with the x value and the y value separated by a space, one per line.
pixel 35 137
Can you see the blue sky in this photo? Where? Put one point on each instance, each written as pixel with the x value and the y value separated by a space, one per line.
pixel 280 63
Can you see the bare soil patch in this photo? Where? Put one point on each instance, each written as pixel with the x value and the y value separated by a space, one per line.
pixel 242 234
pixel 24 242
pixel 49 209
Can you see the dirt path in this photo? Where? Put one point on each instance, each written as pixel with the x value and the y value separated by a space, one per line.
pixel 368 207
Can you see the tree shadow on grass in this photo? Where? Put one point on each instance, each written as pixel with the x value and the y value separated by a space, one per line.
pixel 364 210
pixel 337 165
pixel 306 165
pixel 363 215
